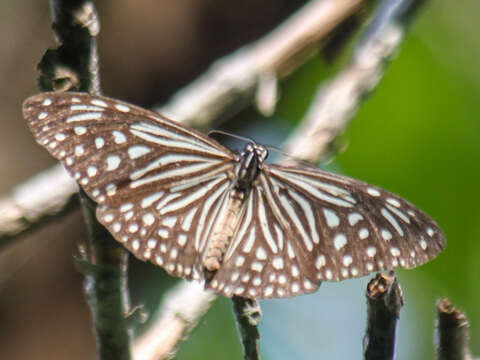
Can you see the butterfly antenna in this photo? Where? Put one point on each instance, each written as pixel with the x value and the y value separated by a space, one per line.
pixel 225 133
pixel 287 155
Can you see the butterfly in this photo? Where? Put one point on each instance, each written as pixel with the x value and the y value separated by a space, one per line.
pixel 178 198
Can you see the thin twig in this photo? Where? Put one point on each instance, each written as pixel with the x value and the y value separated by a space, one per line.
pixel 452 337
pixel 336 103
pixel 181 309
pixel 102 260
pixel 247 315
pixel 384 301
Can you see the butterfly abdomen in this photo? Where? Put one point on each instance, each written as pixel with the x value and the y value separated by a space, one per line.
pixel 224 229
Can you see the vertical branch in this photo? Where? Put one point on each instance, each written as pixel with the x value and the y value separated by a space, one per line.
pixel 384 301
pixel 247 315
pixel 452 336
pixel 74 66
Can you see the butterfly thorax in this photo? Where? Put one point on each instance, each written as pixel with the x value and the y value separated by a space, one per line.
pixel 246 171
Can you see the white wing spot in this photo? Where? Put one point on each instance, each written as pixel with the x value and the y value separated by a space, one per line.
pixel 148 219
pixel 282 279
pixel 98 102
pixel 395 251
pixel 280 292
pixel 268 290
pixel 307 284
pixel 354 271
pixel 126 207
pixel 363 233
pixel 80 130
pixel 60 136
pixel 136 151
pixel 108 218
pixel 328 274
pixel 84 181
pixel 252 292
pixel 261 253
pixel 239 290
pixel 295 287
pixel 393 202
pixel 182 239
pixel 331 217
pixel 423 244
pixel 169 221
pixel 129 215
pixel 111 189
pixel 69 161
pixel 339 241
pixel 239 261
pixel 235 276
pixel 42 115
pixel 136 244
pixel 369 266
pixel 92 171
pixel 256 281
pixel 119 137
pixel 122 108
pixel 371 251
pixel 77 175
pixel 256 266
pixel 173 253
pixel 245 278
pixel 344 273
pixel 347 260
pixel 99 142
pixel 278 263
pixel 373 192
pixel 320 262
pixel 151 243
pixel 295 271
pixel 163 248
pixel 47 102
pixel 430 232
pixel 163 233
pixel 272 278
pixel 133 228
pixel 354 217
pixel 95 192
pixel 84 117
pixel 113 161
pixel 53 145
pixel 387 235
pixel 116 227
pixel 79 150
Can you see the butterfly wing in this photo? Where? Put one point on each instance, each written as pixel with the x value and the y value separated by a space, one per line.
pixel 347 228
pixel 302 226
pixel 153 178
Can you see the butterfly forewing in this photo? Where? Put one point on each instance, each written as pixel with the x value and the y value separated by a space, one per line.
pixel 162 189
pixel 119 152
pixel 347 228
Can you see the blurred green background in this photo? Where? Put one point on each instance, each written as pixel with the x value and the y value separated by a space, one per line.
pixel 418 135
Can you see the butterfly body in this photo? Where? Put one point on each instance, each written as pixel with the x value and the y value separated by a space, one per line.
pixel 181 200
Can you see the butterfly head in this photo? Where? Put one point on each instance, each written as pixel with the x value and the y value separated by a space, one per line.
pixel 249 165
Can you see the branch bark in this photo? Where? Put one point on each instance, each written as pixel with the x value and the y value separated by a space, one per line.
pixel 247 316
pixel 384 301
pixel 452 337
pixel 103 261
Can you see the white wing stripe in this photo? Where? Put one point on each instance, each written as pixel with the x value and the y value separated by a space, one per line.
pixel 307 209
pixel 174 144
pixel 182 171
pixel 264 223
pixel 247 220
pixel 397 212
pixel 301 183
pixel 291 213
pixel 184 201
pixel 329 188
pixel 387 215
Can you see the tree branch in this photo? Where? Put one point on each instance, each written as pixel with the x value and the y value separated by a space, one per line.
pixel 384 301
pixel 336 103
pixel 102 260
pixel 247 316
pixel 452 336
